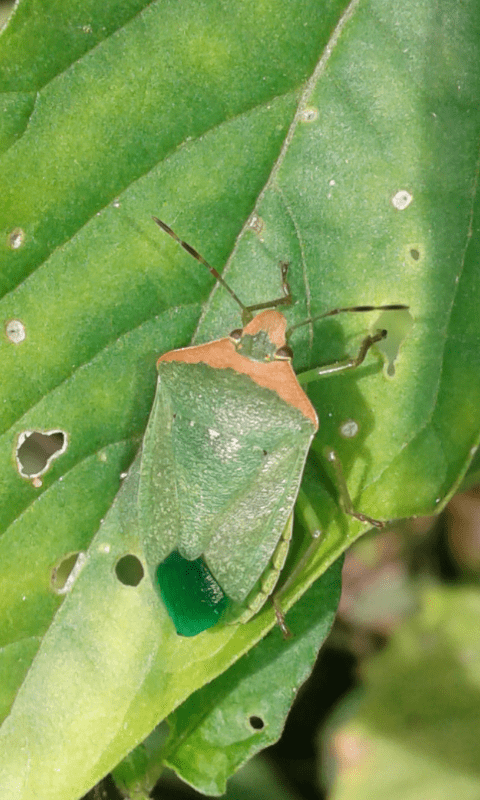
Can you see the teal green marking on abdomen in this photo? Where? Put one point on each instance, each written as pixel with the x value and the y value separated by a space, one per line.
pixel 192 597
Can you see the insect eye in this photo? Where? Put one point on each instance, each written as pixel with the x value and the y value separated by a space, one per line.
pixel 236 335
pixel 284 353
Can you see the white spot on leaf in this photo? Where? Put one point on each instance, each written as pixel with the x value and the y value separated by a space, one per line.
pixel 16 238
pixel 308 115
pixel 256 224
pixel 401 199
pixel 349 429
pixel 15 330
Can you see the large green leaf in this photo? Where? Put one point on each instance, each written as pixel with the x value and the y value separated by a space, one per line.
pixel 342 139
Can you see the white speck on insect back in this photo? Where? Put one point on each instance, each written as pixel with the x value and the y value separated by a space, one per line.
pixel 401 199
pixel 226 449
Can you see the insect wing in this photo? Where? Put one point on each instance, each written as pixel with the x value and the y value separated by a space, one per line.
pixel 229 454
pixel 247 533
pixel 157 502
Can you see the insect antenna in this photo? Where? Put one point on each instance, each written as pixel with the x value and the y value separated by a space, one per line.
pixel 349 309
pixel 191 251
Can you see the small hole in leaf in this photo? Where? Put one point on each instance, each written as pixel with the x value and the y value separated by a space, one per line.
pixel 129 570
pixel 398 325
pixel 37 449
pixel 65 572
pixel 257 723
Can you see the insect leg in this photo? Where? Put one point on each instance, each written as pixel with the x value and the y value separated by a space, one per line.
pixel 344 495
pixel 286 300
pixel 280 616
pixel 331 369
pixel 344 365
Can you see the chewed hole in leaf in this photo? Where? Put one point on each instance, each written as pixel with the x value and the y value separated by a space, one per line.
pixel 65 572
pixel 129 570
pixel 256 723
pixel 398 325
pixel 37 449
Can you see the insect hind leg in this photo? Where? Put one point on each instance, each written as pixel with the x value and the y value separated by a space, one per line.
pixel 257 599
pixel 346 502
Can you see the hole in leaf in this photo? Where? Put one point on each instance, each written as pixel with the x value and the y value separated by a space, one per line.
pixel 398 324
pixel 65 572
pixel 256 723
pixel 129 570
pixel 37 449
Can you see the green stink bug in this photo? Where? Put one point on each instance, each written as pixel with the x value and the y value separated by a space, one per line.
pixel 221 465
